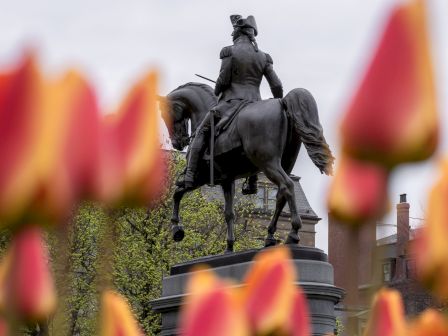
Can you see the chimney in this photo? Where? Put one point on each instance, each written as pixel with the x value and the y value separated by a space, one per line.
pixel 403 229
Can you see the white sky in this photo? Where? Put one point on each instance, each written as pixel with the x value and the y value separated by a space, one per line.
pixel 322 45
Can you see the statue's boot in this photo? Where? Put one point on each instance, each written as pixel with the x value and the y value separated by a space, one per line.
pixel 250 185
pixel 196 152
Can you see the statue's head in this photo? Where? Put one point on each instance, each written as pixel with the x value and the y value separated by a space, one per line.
pixel 241 26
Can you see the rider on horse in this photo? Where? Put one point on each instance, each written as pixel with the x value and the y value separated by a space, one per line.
pixel 242 69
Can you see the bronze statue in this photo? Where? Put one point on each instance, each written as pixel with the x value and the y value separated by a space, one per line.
pixel 253 134
pixel 242 69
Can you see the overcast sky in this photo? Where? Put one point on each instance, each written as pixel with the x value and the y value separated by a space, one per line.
pixel 321 45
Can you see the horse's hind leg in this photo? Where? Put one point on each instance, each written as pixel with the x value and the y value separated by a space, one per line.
pixel 177 230
pixel 280 204
pixel 277 175
pixel 229 196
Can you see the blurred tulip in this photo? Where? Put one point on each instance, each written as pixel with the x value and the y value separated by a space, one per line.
pixel 387 314
pixel 5 266
pixel 132 167
pixel 430 322
pixel 358 191
pixel 4 330
pixel 29 288
pixel 214 308
pixel 270 290
pixel 393 118
pixel 49 142
pixel 21 94
pixel 67 147
pixel 430 245
pixel 116 317
pixel 298 322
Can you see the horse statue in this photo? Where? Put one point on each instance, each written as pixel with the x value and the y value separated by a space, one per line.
pixel 267 136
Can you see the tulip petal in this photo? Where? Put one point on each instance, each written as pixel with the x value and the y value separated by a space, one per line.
pixel 387 314
pixel 358 191
pixel 30 289
pixel 213 309
pixel 430 246
pixel 298 323
pixel 117 318
pixel 270 289
pixel 20 102
pixel 131 162
pixel 430 322
pixel 393 117
pixel 68 145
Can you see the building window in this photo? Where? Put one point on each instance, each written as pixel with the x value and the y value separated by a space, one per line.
pixel 271 198
pixel 387 272
pixel 410 269
pixel 259 202
pixel 266 198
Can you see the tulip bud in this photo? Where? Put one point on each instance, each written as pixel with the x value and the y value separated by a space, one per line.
pixel 117 318
pixel 430 245
pixel 270 290
pixel 387 314
pixel 393 116
pixel 358 191
pixel 213 308
pixel 30 293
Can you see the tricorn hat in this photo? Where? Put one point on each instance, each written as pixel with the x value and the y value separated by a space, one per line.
pixel 249 22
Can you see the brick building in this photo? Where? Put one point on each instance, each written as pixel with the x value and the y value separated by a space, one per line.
pixel 379 262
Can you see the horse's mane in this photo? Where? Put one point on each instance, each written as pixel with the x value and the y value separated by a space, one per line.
pixel 204 87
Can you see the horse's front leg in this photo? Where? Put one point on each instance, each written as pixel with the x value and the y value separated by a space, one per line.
pixel 177 230
pixel 229 196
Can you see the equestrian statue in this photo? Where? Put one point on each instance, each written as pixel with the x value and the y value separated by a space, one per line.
pixel 251 134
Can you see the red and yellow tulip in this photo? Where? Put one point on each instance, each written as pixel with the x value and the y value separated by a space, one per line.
pixel 132 166
pixel 49 143
pixel 116 317
pixel 27 285
pixel 387 315
pixel 430 322
pixel 430 246
pixel 393 116
pixel 21 96
pixel 358 191
pixel 214 308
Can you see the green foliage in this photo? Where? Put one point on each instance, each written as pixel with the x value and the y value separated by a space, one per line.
pixel 339 326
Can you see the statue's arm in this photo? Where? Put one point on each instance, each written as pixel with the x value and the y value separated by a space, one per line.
pixel 274 82
pixel 224 78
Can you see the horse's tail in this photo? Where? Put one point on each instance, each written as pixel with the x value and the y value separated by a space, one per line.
pixel 301 108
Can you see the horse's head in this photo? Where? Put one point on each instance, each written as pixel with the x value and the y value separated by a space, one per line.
pixel 190 101
pixel 173 113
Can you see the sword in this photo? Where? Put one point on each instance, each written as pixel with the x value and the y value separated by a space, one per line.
pixel 212 148
pixel 212 139
pixel 210 80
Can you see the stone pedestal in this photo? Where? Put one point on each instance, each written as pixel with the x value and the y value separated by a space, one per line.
pixel 315 278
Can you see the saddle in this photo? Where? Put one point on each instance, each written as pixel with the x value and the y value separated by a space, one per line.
pixel 227 138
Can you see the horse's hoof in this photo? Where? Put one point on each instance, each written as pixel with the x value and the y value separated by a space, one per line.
pixel 270 242
pixel 178 233
pixel 292 239
pixel 229 248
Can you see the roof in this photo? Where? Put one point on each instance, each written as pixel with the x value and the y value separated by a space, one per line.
pixel 392 239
